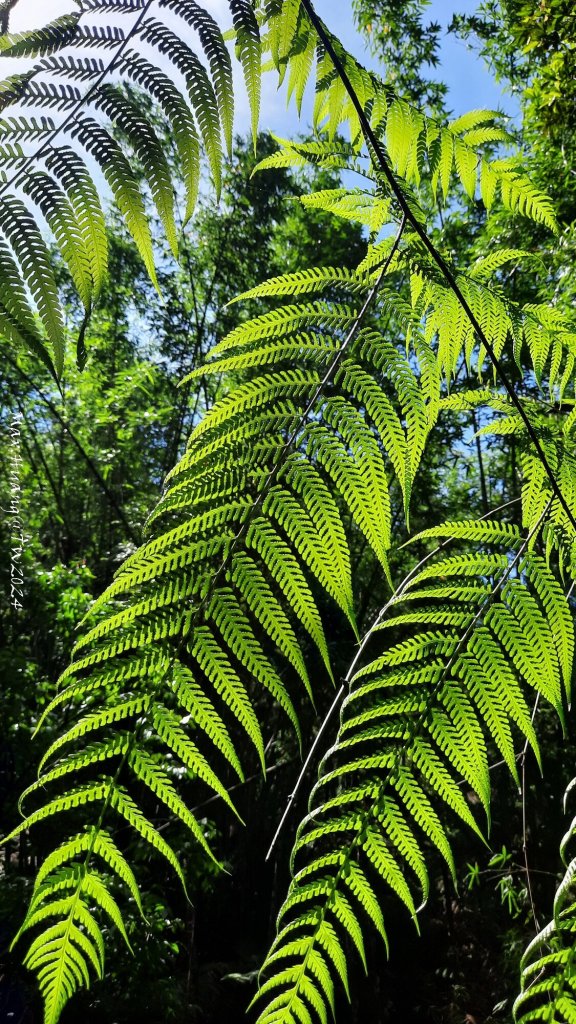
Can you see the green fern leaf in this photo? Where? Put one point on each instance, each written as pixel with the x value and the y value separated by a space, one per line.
pixel 466 162
pixel 247 35
pixel 146 769
pixel 182 125
pixel 302 282
pixel 200 90
pixel 28 245
pixel 72 174
pixel 218 59
pixel 125 116
pixel 121 180
pixel 59 214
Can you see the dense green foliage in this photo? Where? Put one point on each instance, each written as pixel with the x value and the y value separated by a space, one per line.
pixel 381 325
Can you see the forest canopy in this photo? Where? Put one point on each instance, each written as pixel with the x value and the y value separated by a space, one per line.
pixel 288 516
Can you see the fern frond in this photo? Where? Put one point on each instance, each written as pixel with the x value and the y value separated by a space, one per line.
pixel 60 217
pixel 355 205
pixel 122 181
pixel 554 430
pixel 302 282
pixel 86 115
pixel 20 230
pixel 177 111
pixel 415 144
pixel 104 847
pixel 75 179
pixel 42 41
pixel 323 153
pixel 203 625
pixel 417 720
pixel 110 101
pixel 223 589
pixel 218 58
pixel 64 953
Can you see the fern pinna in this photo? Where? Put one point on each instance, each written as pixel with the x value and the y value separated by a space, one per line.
pixel 324 412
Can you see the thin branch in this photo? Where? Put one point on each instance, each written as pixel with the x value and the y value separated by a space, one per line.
pixel 524 828
pixel 282 763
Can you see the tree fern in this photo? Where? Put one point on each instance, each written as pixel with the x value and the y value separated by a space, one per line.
pixel 206 623
pixel 85 110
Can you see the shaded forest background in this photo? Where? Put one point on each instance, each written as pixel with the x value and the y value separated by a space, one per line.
pixel 93 462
